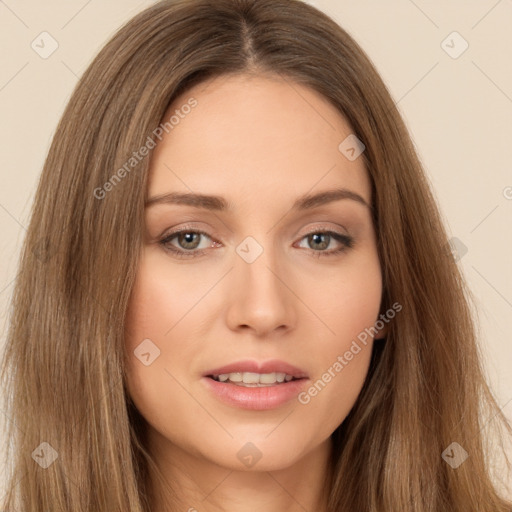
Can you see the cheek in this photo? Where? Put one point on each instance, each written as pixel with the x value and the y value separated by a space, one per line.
pixel 162 339
pixel 163 302
pixel 160 296
pixel 349 307
pixel 348 300
pixel 152 312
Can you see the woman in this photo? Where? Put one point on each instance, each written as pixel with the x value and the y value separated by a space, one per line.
pixel 232 202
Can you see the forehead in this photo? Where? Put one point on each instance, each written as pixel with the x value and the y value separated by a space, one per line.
pixel 254 136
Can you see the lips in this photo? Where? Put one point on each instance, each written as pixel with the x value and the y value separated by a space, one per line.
pixel 255 398
pixel 271 366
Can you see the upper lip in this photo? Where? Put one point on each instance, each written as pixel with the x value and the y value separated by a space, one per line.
pixel 270 366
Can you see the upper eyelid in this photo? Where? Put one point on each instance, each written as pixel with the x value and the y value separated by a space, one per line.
pixel 185 229
pixel 192 229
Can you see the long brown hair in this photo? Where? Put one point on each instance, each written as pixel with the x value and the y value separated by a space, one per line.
pixel 64 364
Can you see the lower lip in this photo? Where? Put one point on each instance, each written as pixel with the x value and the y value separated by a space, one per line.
pixel 255 398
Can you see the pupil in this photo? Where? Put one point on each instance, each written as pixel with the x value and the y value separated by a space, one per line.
pixel 323 245
pixel 187 238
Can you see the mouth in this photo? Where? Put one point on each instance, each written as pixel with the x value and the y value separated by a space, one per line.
pixel 254 373
pixel 252 379
pixel 256 385
pixel 256 396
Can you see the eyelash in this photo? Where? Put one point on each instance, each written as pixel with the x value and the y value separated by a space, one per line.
pixel 346 241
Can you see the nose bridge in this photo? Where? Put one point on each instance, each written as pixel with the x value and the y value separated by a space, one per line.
pixel 260 297
pixel 257 265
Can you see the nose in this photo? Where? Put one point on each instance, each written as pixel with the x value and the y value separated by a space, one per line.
pixel 261 297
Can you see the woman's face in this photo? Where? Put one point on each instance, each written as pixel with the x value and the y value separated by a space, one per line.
pixel 267 281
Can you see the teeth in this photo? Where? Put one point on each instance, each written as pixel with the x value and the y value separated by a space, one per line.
pixel 253 378
pixel 250 378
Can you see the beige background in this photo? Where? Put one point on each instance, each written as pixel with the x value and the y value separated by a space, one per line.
pixel 458 111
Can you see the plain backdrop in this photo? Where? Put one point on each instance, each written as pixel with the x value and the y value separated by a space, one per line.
pixel 446 64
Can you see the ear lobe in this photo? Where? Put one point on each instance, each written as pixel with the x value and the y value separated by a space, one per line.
pixel 382 333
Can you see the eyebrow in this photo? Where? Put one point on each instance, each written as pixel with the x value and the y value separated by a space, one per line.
pixel 218 203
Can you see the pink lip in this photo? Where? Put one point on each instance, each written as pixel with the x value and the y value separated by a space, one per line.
pixel 255 398
pixel 271 366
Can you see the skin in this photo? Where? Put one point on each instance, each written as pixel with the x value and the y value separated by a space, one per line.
pixel 260 142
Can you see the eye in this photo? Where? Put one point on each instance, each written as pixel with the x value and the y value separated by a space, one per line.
pixel 188 242
pixel 187 239
pixel 322 239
